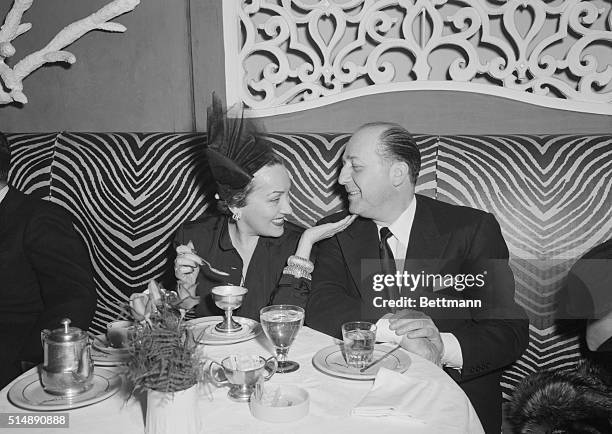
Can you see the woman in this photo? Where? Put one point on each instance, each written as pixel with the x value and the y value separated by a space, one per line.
pixel 250 243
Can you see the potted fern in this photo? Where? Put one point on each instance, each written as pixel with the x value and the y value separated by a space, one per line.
pixel 164 361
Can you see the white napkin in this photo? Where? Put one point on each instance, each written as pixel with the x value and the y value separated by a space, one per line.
pixel 394 394
pixel 384 333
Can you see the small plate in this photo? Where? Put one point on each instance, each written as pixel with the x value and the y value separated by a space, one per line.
pixel 28 393
pixel 330 360
pixel 101 358
pixel 204 330
pixel 101 344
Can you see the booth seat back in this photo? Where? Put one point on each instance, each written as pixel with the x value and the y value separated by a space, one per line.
pixel 552 196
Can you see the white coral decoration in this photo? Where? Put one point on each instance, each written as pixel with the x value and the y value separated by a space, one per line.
pixel 52 52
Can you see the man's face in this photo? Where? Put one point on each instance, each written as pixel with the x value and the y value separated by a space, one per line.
pixel 366 175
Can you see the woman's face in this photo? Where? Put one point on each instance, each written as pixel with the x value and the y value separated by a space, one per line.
pixel 268 203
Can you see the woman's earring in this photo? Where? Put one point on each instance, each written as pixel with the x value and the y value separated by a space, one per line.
pixel 235 216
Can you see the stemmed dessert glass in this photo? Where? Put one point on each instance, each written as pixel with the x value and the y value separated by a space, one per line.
pixel 228 298
pixel 281 324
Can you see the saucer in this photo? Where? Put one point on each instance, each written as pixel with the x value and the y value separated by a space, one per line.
pixel 102 358
pixel 330 360
pixel 101 344
pixel 28 393
pixel 205 333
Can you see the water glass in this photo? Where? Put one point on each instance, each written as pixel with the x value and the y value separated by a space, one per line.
pixel 358 338
pixel 281 324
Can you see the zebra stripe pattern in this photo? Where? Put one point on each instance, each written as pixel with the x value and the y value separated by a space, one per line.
pixel 31 158
pixel 129 192
pixel 552 196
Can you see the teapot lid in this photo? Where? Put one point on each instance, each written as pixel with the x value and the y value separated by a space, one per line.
pixel 67 333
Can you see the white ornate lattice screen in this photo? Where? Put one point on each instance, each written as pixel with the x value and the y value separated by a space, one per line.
pixel 289 55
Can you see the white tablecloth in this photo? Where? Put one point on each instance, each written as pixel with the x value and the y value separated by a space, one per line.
pixel 331 400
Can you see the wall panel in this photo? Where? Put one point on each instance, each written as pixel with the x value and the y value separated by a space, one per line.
pixel 159 75
pixel 135 81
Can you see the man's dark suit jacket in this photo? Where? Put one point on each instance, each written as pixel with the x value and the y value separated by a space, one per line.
pixel 45 275
pixel 458 240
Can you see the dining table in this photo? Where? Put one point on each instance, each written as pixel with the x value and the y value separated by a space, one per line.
pixel 332 398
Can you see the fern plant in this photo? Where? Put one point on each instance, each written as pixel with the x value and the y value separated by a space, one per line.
pixel 162 348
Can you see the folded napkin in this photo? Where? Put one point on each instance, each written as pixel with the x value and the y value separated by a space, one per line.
pixel 384 333
pixel 394 394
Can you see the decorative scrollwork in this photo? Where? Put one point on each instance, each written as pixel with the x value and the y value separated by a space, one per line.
pixel 289 55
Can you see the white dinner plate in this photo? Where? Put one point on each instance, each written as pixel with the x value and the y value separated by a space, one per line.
pixel 205 333
pixel 28 393
pixel 330 360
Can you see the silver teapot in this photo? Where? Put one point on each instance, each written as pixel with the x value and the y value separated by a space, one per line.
pixel 67 367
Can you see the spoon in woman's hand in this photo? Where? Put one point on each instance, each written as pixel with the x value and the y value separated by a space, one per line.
pixel 213 269
pixel 188 249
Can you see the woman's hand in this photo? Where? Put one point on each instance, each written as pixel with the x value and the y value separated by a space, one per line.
pixel 317 233
pixel 187 266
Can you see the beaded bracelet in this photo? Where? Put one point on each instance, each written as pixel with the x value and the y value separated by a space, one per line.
pixel 298 261
pixel 297 272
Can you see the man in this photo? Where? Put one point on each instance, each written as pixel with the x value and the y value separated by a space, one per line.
pixel 381 163
pixel 45 274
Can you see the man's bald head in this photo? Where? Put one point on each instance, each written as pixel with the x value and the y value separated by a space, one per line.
pixel 395 143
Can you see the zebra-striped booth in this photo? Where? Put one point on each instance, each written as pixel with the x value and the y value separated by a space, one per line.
pixel 128 193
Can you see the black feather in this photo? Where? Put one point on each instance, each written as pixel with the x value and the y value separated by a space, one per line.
pixel 235 151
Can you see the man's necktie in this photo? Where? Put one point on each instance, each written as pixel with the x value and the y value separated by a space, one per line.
pixel 388 263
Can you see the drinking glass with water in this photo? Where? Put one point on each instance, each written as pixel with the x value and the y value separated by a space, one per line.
pixel 358 338
pixel 281 324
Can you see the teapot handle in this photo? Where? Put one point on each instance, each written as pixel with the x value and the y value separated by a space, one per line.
pixel 85 362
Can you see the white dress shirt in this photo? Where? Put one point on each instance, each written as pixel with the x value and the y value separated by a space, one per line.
pixel 398 242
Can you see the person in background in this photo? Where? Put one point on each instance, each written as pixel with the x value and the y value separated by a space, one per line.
pixel 587 296
pixel 250 240
pixel 45 274
pixel 572 401
pixel 578 399
pixel 402 231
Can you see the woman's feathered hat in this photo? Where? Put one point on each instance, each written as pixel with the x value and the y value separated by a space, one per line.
pixel 235 151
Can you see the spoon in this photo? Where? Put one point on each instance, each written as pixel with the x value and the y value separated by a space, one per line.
pixel 210 267
pixel 213 269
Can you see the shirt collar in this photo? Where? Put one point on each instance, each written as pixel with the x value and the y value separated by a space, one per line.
pixel 401 227
pixel 3 191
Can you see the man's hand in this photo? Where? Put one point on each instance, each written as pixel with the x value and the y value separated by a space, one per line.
pixel 419 334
